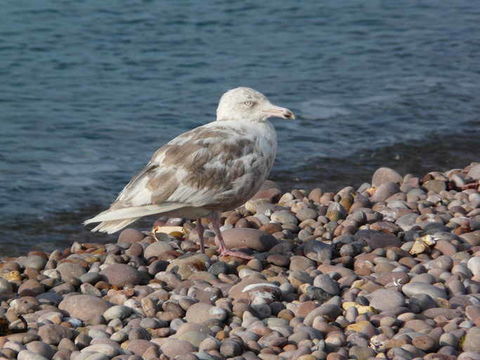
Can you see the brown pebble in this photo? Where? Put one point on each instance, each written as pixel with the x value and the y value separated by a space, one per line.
pixel 425 343
pixel 130 236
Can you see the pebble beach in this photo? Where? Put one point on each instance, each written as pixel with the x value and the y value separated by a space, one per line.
pixel 388 270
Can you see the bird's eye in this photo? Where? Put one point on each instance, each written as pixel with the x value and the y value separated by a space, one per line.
pixel 249 103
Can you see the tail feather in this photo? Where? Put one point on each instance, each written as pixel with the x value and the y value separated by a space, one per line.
pixel 113 220
pixel 133 212
pixel 112 226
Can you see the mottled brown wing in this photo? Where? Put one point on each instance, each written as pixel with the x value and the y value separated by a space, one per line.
pixel 203 166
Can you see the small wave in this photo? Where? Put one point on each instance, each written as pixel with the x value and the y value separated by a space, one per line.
pixel 375 99
pixel 322 109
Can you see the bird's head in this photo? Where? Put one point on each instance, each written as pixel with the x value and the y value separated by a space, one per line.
pixel 245 104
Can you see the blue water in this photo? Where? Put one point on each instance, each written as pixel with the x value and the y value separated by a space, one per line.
pixel 89 89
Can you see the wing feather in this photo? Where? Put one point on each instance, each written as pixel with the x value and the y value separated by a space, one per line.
pixel 209 165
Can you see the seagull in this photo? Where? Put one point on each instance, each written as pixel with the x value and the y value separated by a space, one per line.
pixel 210 169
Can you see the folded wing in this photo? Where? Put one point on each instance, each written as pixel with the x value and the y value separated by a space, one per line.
pixel 210 166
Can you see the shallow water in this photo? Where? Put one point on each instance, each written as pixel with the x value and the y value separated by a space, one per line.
pixel 90 89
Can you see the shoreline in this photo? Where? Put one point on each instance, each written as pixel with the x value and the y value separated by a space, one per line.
pixel 390 269
pixel 57 229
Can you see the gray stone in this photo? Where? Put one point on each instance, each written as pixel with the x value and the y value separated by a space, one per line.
pixel 473 265
pixel 251 287
pixel 41 348
pixel 317 250
pixel 209 343
pixel 384 174
pixel 82 340
pixel 423 301
pixel 106 349
pixel 377 239
pixel 90 277
pixel 70 271
pixel 442 262
pixel 386 299
pixel 24 305
pixel 36 262
pixel 5 286
pixel 329 311
pixel 130 236
pixel 335 212
pixel 472 238
pixel 361 353
pixel 448 339
pixel 139 346
pixel 89 289
pixel 14 346
pixel 407 222
pixel 316 293
pixel 84 307
pixel 117 312
pixel 469 355
pixel 474 172
pixel 157 249
pixel 435 186
pixel 297 278
pixel 284 217
pixel 31 287
pixel 416 288
pixel 193 337
pixel 327 284
pixel 174 347
pixel 52 334
pixel 189 264
pixel 472 340
pixel 152 323
pixel 231 348
pixel 66 344
pixel 423 278
pixel 218 268
pixel 201 312
pixel 298 263
pixel 306 213
pixel 384 191
pixel 122 274
pixel 29 355
pixel 90 356
pixel 238 238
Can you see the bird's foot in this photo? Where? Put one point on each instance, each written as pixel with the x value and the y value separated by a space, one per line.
pixel 239 254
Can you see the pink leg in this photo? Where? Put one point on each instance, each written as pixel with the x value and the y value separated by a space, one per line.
pixel 215 218
pixel 200 230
